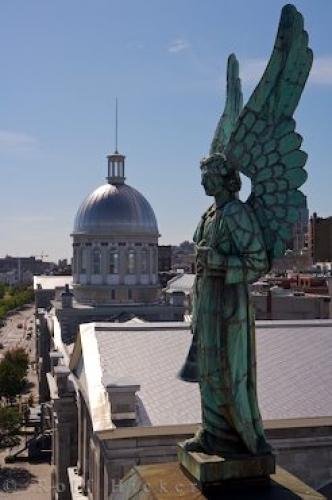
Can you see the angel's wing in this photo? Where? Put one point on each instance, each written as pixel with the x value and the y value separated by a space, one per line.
pixel 264 145
pixel 233 107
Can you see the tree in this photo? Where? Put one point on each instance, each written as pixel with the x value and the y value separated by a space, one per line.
pixel 19 358
pixel 14 296
pixel 11 380
pixel 10 423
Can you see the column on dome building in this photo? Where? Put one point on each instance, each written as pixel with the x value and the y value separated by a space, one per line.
pixel 88 263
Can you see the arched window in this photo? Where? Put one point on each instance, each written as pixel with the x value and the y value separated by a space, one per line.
pixel 144 261
pixel 114 262
pixel 131 262
pixel 96 260
pixel 83 260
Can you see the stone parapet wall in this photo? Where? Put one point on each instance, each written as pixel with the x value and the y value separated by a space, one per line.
pixel 307 454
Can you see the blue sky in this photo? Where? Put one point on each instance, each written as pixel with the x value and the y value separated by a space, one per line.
pixel 64 61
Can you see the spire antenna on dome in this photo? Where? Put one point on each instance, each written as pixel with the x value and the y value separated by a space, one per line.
pixel 116 125
pixel 116 161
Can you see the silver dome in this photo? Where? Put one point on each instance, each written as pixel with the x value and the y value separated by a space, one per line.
pixel 116 210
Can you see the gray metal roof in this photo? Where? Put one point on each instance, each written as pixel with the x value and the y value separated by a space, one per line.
pixel 294 368
pixel 115 210
pixel 181 283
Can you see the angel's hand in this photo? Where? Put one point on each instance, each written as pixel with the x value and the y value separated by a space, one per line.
pixel 208 257
pixel 202 256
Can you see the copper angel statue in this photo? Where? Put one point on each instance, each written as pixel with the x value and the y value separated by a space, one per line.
pixel 236 242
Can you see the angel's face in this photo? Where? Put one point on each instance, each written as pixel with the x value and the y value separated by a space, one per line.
pixel 211 177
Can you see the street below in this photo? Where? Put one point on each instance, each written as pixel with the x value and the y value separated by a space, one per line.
pixel 23 479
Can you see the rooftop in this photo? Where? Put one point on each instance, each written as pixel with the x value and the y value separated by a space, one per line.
pixel 52 282
pixel 293 358
pixel 181 283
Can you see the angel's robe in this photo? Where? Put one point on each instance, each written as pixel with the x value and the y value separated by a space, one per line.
pixel 223 324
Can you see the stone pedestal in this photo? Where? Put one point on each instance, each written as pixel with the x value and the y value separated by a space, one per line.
pixel 212 469
pixel 170 481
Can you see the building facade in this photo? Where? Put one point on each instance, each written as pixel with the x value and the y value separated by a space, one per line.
pixel 15 270
pixel 164 258
pixel 300 231
pixel 321 238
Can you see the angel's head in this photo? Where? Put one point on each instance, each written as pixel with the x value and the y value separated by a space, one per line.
pixel 218 175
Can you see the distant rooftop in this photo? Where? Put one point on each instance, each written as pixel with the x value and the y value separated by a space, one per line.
pixel 52 282
pixel 181 283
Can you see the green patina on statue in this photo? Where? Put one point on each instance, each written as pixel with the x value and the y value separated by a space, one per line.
pixel 236 242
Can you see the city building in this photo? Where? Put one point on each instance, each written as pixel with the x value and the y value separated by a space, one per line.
pixel 300 231
pixel 320 238
pixel 299 297
pixel 297 256
pixel 279 304
pixel 116 401
pixel 183 257
pixel 15 270
pixel 164 258
pixel 179 290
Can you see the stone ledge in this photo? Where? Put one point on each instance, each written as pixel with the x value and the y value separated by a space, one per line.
pixel 169 482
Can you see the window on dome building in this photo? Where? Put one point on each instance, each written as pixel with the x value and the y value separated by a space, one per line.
pixel 131 262
pixel 96 260
pixel 83 260
pixel 114 262
pixel 144 261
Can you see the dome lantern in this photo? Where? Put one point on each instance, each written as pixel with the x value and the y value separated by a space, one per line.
pixel 116 172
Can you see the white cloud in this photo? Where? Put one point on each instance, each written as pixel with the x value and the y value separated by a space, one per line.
pixel 178 45
pixel 251 70
pixel 16 140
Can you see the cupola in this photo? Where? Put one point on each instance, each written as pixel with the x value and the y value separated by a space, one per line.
pixel 116 168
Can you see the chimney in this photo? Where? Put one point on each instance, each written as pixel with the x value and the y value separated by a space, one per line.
pixel 122 395
pixel 61 376
pixel 55 356
pixel 67 298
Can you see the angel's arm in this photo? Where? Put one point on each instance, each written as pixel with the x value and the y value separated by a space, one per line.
pixel 249 260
